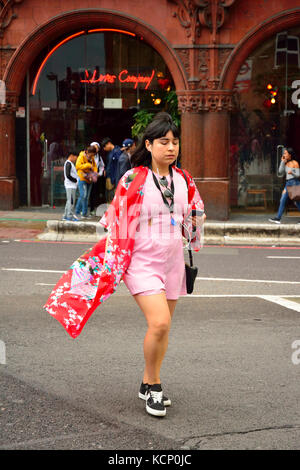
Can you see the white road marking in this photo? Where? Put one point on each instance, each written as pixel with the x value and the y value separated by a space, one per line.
pixel 283 302
pixel 283 257
pixel 32 270
pixel 245 280
pixel 270 298
pixel 43 284
pixel 238 295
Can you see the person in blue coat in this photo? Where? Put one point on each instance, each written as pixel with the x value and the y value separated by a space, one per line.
pixel 114 152
pixel 124 163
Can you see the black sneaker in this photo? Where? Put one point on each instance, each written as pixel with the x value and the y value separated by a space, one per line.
pixel 275 220
pixel 154 401
pixel 142 394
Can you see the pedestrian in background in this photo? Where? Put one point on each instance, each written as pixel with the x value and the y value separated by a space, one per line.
pixel 289 167
pixel 86 168
pixel 124 163
pixel 70 183
pixel 112 159
pixel 97 195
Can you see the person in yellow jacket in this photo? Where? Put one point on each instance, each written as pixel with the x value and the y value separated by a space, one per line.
pixel 85 165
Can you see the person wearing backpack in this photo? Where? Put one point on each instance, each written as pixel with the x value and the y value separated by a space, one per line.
pixel 114 152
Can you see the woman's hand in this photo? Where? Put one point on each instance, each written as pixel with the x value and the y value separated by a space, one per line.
pixel 197 220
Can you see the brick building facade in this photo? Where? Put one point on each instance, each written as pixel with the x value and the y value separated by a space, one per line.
pixel 204 44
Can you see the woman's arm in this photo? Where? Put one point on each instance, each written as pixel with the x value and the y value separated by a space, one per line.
pixel 281 169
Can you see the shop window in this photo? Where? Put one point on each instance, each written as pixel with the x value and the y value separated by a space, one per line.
pixel 87 86
pixel 266 119
pixel 287 50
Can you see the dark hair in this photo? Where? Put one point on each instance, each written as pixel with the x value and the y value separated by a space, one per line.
pixel 161 124
pixel 291 151
pixel 72 152
pixel 91 149
pixel 105 141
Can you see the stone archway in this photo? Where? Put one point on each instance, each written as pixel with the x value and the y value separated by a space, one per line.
pixel 256 37
pixel 74 20
pixel 253 39
pixel 60 26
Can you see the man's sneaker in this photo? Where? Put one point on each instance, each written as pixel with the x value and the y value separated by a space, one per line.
pixel 75 217
pixel 275 220
pixel 154 401
pixel 142 394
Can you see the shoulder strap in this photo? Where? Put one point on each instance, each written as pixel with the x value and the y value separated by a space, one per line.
pixel 184 175
pixel 189 243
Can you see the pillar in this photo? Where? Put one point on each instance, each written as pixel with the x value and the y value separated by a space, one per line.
pixel 8 181
pixel 205 146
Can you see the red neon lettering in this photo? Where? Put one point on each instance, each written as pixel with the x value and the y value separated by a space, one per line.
pixel 135 79
pixel 123 77
pixel 102 78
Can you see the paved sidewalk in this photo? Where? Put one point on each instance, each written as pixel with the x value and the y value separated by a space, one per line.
pixel 242 227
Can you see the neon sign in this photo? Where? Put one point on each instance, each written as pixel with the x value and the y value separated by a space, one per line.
pixel 123 77
pixel 80 33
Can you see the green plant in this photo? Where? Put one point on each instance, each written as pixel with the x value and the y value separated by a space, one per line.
pixel 142 118
pixel 171 104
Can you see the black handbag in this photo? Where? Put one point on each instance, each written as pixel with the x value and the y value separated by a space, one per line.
pixel 190 273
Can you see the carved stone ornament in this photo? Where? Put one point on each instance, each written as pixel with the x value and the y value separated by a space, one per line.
pixel 194 13
pixel 7 14
pixel 203 67
pixel 211 100
pixel 187 14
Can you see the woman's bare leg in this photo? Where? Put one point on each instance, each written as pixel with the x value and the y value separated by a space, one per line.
pixel 158 312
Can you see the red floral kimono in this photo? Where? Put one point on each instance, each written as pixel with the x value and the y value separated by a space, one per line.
pixel 94 276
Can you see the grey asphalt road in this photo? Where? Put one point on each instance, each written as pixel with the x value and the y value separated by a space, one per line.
pixel 229 369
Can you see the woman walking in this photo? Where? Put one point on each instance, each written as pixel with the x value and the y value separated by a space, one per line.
pixel 290 168
pixel 144 248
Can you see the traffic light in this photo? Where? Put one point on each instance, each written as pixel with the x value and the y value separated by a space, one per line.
pixel 272 94
pixel 76 90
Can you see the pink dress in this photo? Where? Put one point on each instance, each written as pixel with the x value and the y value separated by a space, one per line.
pixel 157 262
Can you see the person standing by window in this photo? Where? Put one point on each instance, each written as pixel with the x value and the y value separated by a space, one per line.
pixel 97 195
pixel 84 165
pixel 114 153
pixel 124 163
pixel 70 183
pixel 289 167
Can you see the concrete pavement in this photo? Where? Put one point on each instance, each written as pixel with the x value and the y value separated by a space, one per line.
pixel 229 367
pixel 245 227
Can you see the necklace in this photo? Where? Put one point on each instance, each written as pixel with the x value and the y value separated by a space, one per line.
pixel 168 193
